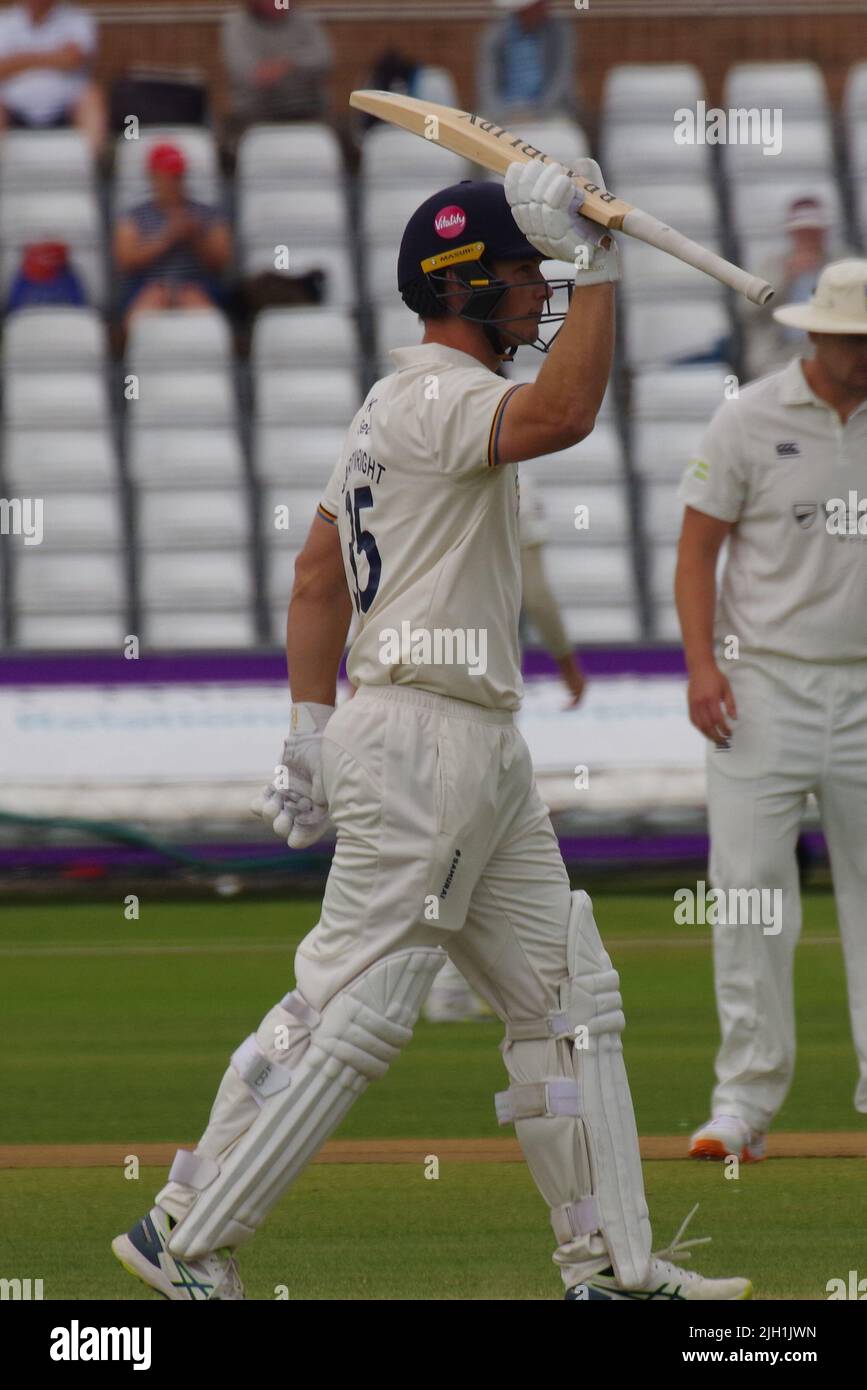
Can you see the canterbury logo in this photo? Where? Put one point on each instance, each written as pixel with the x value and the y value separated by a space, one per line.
pixel 788 449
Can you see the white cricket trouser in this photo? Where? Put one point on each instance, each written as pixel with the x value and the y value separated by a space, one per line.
pixel 801 728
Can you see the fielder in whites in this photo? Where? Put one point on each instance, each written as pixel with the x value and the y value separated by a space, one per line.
pixel 783 477
pixel 444 847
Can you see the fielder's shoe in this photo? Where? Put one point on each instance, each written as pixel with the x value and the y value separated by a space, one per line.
pixel 666 1281
pixel 451 1000
pixel 142 1252
pixel 725 1135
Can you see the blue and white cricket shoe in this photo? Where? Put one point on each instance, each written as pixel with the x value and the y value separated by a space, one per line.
pixel 143 1252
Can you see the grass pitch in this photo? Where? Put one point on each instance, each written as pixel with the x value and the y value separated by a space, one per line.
pixel 120 1031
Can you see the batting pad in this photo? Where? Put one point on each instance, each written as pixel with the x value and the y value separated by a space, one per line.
pixel 577 1129
pixel 299 1096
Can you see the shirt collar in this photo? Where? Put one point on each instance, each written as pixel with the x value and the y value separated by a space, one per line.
pixel 429 353
pixel 796 390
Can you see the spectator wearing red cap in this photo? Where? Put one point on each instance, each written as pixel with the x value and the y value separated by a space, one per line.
pixel 46 51
pixel 172 249
pixel 793 271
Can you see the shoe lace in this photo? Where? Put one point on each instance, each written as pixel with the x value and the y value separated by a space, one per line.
pixel 678 1248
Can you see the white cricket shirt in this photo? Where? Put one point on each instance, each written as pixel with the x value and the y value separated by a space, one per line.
pixel 429 528
pixel 41 94
pixel 778 463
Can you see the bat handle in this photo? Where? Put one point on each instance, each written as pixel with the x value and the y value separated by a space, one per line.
pixel 645 227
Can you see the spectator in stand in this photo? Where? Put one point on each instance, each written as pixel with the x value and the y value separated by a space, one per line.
pixel 46 51
pixel 526 64
pixel 278 62
pixel 173 250
pixel 45 277
pixel 793 272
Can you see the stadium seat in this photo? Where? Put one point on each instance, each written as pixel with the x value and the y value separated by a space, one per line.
pixel 300 503
pixel 673 393
pixel 286 453
pixel 558 137
pixel 304 338
pixel 390 156
pixel 61 399
pixel 606 521
pixel 862 212
pixel 184 397
pixel 646 150
pixel 798 89
pixel 83 520
pixel 44 159
pixel 87 261
pixel 396 327
pixel 183 455
pixel 185 631
pixel 591 575
pixel 436 85
pixel 297 154
pixel 70 215
pixel 279 216
pixel 169 518
pixel 662 510
pixel 648 273
pixel 279 573
pixel 70 631
pixel 597 459
pixel 173 338
pixel 44 460
pixel 691 328
pixel 202 181
pixel 690 207
pixel 43 339
pixel 661 449
pixel 215 580
pixel 340 287
pixel 386 211
pixel 855 92
pixel 760 207
pixel 635 92
pixel 858 148
pixel 806 151
pixel 50 581
pixel 305 397
pixel 601 623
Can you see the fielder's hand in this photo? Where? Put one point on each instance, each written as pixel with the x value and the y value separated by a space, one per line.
pixel 546 204
pixel 295 800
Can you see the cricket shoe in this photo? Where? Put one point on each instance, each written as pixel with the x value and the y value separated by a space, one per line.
pixel 727 1135
pixel 666 1282
pixel 144 1252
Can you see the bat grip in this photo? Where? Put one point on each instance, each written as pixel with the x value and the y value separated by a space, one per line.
pixel 645 227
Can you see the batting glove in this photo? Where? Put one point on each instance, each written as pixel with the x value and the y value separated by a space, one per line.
pixel 546 204
pixel 295 800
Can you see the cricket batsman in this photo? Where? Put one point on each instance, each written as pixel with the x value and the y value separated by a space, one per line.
pixel 778 684
pixel 444 848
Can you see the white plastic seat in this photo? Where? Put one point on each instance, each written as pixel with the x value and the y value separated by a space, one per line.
pixel 663 563
pixel 40 461
pixel 798 89
pixel 62 399
pixel 597 459
pixel 862 210
pixel 299 153
pixel 300 503
pixel 201 580
pixel 54 581
pixel 681 329
pixel 647 149
pixel 184 397
pixel 690 207
pixel 173 338
pixel 307 397
pixel 589 622
pixel 306 454
pixel 279 574
pixel 70 631
pixel 436 85
pixel 673 393
pixel 649 91
pixel 200 630
pixel 607 515
pixel 662 449
pixel 558 137
pixel 70 215
pixel 649 273
pixel 202 180
pixel 304 337
pixel 174 517
pixel 341 277
pixel 858 148
pixel 43 339
pixel 590 574
pixel 662 511
pixel 282 217
pixel 806 149
pixel 184 455
pixel 77 520
pixel 396 327
pixel 45 159
pixel 386 211
pixel 389 155
pixel 855 92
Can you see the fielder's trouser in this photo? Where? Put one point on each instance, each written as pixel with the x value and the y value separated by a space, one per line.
pixel 443 844
pixel 801 728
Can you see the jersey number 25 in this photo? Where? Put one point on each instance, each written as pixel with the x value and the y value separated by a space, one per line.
pixel 362 542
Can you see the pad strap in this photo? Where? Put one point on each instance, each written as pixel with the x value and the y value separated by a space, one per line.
pixel 264 1077
pixel 195 1170
pixel 576 1219
pixel 560 1096
pixel 532 1029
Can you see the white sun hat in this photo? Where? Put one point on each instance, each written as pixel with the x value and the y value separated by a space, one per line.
pixel 838 303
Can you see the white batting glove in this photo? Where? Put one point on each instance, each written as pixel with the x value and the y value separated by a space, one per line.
pixel 295 800
pixel 546 204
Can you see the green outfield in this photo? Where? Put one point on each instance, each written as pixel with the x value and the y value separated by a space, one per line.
pixel 118 1032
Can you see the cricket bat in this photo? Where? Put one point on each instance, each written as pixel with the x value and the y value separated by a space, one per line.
pixel 488 144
